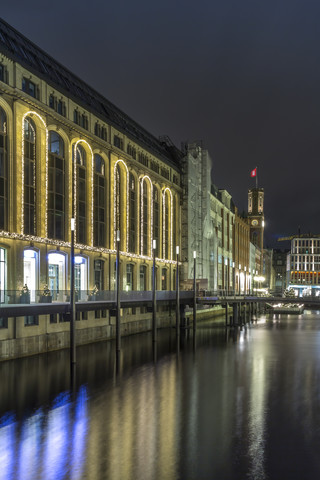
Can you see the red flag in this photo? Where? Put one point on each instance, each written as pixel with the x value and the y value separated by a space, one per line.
pixel 254 172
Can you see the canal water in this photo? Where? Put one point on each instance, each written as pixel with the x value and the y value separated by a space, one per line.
pixel 244 404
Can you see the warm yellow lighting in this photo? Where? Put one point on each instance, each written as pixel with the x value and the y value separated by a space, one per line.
pixel 30 113
pixel 115 201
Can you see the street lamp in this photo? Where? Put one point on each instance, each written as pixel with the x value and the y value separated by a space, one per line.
pixel 72 299
pixel 154 305
pixel 118 337
pixel 177 294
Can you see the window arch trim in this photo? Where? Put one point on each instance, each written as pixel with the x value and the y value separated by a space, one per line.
pixel 150 208
pixel 120 162
pixel 30 114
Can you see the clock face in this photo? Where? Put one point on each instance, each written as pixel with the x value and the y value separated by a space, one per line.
pixel 254 222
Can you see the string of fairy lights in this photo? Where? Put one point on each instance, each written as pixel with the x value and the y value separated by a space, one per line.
pixel 166 196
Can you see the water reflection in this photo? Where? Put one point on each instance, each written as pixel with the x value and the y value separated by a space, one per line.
pixel 228 410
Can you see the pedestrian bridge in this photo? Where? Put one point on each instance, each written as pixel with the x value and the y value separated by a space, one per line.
pixel 107 300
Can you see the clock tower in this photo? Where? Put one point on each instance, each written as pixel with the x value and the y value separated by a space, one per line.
pixel 256 216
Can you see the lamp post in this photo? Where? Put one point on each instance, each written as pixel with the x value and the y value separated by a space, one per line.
pixel 154 305
pixel 194 294
pixel 72 299
pixel 239 279
pixel 177 294
pixel 118 337
pixel 234 277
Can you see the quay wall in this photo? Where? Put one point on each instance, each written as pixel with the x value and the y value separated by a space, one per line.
pixel 21 340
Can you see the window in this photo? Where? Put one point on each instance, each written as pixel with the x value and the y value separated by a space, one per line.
pixel 143 159
pixel 99 274
pixel 143 278
pixel 156 220
pixel 131 151
pixel 56 187
pixel 100 131
pixel 80 276
pixel 56 275
pixel 165 173
pixel 118 142
pixel 164 279
pixel 99 202
pixel 3 171
pixel 144 218
pixel 30 88
pixel 132 214
pixel 30 271
pixel 3 74
pixel 81 195
pixel 129 285
pixel 80 119
pixel 58 105
pixel 29 177
pixel 118 198
pixel 154 166
pixel 165 233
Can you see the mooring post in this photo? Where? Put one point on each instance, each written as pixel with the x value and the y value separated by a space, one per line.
pixel 194 294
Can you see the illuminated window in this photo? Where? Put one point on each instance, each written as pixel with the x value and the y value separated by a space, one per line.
pixel 81 200
pixel 165 232
pixel 164 279
pixel 30 271
pixel 3 171
pixel 99 202
pixel 145 219
pixel 174 223
pixel 56 187
pixel 56 274
pixel 132 214
pixel 118 197
pixel 156 219
pixel 29 177
pixel 80 275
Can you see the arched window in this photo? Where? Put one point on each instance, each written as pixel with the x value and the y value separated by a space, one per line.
pixel 81 200
pixel 56 274
pixel 80 276
pixel 56 187
pixel 166 224
pixel 29 177
pixel 132 214
pixel 156 220
pixel 118 191
pixel 146 215
pixel 121 204
pixel 174 224
pixel 30 271
pixel 3 171
pixel 99 201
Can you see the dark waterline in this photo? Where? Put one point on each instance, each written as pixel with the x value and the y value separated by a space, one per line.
pixel 244 405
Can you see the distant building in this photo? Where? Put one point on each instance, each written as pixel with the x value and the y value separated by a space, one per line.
pixel 279 267
pixel 207 220
pixel 303 265
pixel 241 254
pixel 267 271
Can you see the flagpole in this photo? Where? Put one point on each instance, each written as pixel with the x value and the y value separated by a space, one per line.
pixel 256 177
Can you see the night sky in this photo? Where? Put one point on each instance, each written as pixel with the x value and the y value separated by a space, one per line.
pixel 243 77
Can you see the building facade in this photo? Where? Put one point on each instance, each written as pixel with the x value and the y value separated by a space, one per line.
pixel 303 265
pixel 67 152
